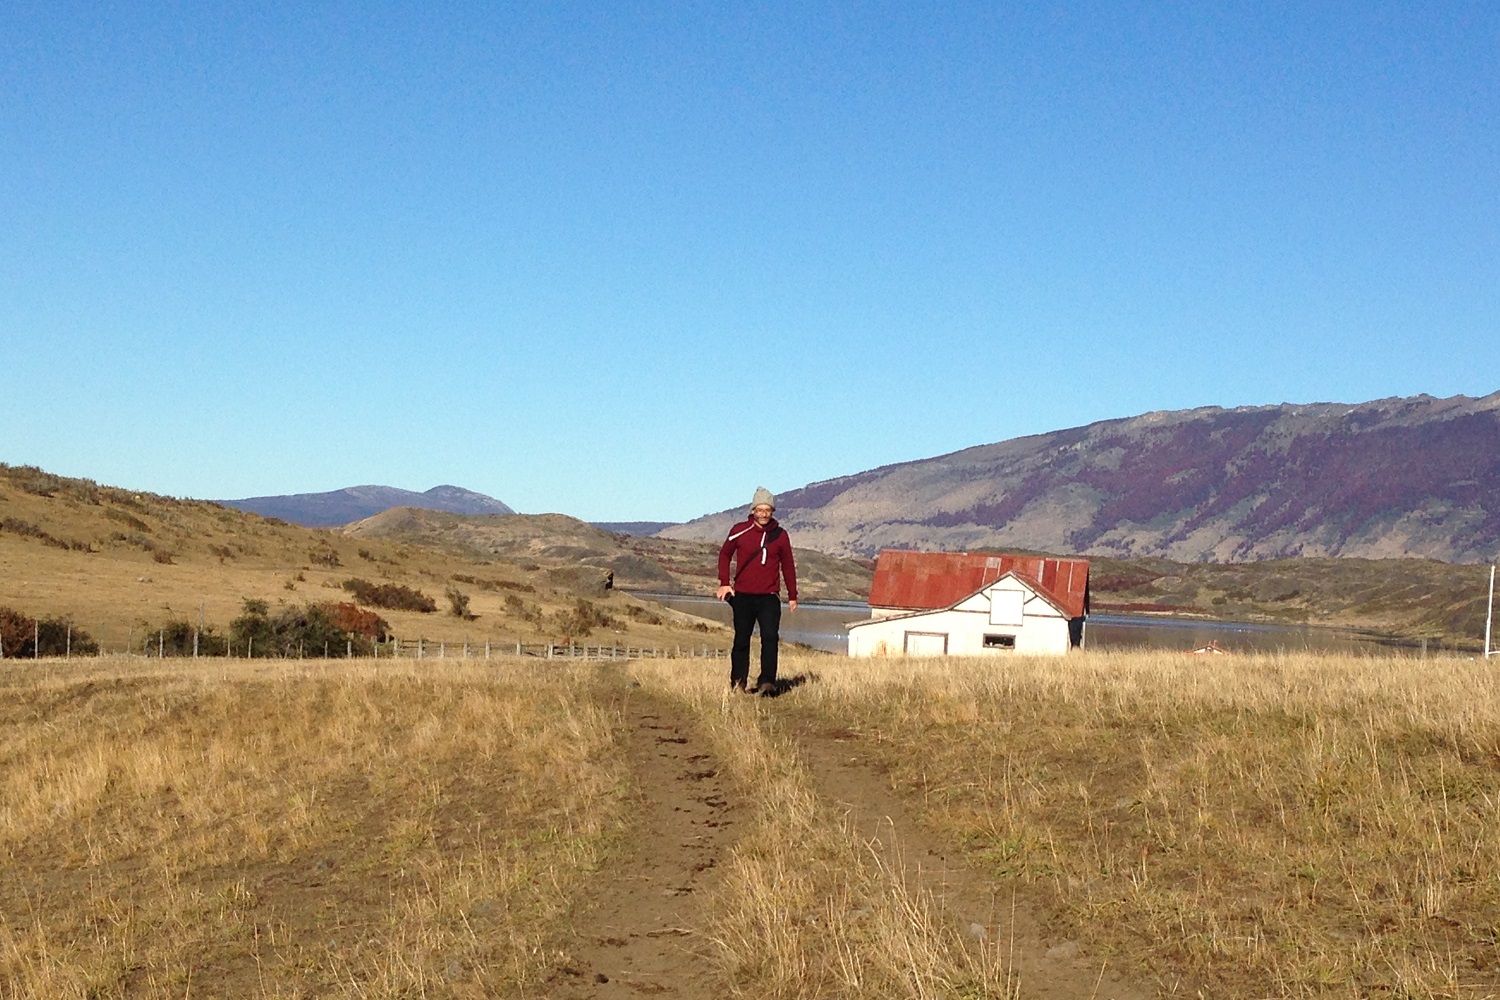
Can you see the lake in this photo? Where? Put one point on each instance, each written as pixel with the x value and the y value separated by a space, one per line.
pixel 822 625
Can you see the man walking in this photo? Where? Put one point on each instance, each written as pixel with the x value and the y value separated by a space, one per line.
pixel 762 554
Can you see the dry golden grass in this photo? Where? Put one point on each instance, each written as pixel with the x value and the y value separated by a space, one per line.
pixel 295 829
pixel 807 908
pixel 1291 826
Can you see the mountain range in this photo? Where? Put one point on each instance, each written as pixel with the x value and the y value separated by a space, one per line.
pixel 326 510
pixel 1400 477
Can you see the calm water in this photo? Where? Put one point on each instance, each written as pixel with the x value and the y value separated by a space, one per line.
pixel 824 626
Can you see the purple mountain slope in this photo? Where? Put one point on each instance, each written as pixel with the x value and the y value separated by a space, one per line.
pixel 1412 476
pixel 325 510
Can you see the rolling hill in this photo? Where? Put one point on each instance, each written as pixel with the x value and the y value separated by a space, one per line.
pixel 327 510
pixel 1403 477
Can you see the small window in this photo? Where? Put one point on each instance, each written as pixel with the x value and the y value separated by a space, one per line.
pixel 992 641
pixel 1006 607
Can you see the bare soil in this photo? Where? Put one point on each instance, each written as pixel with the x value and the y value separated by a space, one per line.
pixel 644 934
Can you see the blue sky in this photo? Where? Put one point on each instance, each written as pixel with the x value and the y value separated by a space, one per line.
pixel 628 261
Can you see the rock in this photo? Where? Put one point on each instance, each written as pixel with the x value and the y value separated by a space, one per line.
pixel 976 932
pixel 1068 949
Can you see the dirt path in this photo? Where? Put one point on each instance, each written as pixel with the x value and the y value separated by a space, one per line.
pixel 1046 969
pixel 644 935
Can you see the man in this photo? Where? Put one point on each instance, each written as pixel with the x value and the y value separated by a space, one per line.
pixel 762 554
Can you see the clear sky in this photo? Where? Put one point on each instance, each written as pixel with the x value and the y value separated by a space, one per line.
pixel 628 261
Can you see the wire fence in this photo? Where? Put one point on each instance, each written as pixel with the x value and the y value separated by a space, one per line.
pixel 159 644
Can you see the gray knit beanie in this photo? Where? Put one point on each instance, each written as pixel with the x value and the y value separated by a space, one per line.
pixel 763 496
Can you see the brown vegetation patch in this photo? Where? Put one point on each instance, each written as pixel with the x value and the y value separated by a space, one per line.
pixel 338 831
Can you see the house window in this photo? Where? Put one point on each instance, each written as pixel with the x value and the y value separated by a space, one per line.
pixel 992 641
pixel 1005 607
pixel 926 644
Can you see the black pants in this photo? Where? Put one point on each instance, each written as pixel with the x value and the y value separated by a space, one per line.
pixel 748 610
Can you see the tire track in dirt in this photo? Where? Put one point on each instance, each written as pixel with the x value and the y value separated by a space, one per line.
pixel 644 934
pixel 983 910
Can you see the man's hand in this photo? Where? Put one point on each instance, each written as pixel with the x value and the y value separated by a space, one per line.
pixel 791 605
pixel 725 592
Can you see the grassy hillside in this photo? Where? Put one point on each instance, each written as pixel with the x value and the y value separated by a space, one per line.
pixel 557 541
pixel 121 564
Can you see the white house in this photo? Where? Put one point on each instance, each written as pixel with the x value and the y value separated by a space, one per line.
pixel 962 604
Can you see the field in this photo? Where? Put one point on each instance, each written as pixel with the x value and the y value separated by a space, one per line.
pixel 1102 825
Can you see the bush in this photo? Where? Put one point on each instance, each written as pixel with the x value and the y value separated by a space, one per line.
pixel 639 614
pixel 583 619
pixel 352 618
pixel 458 604
pixel 24 636
pixel 308 630
pixel 176 639
pixel 28 530
pixel 520 609
pixel 389 595
pixel 324 557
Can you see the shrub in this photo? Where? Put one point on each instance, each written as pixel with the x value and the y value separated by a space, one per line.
pixel 352 618
pixel 33 480
pixel 28 530
pixel 324 557
pixel 458 604
pixel 643 615
pixel 176 639
pixel 306 630
pixel 24 636
pixel 128 519
pixel 584 618
pixel 521 609
pixel 394 596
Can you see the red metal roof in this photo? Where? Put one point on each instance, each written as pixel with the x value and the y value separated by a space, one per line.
pixel 923 581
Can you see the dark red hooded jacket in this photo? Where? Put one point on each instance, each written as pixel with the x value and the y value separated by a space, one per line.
pixel 761 555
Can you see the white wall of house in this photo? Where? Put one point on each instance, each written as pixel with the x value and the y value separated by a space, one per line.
pixel 1005 617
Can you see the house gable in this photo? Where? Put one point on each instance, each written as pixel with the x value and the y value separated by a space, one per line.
pixel 924 581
